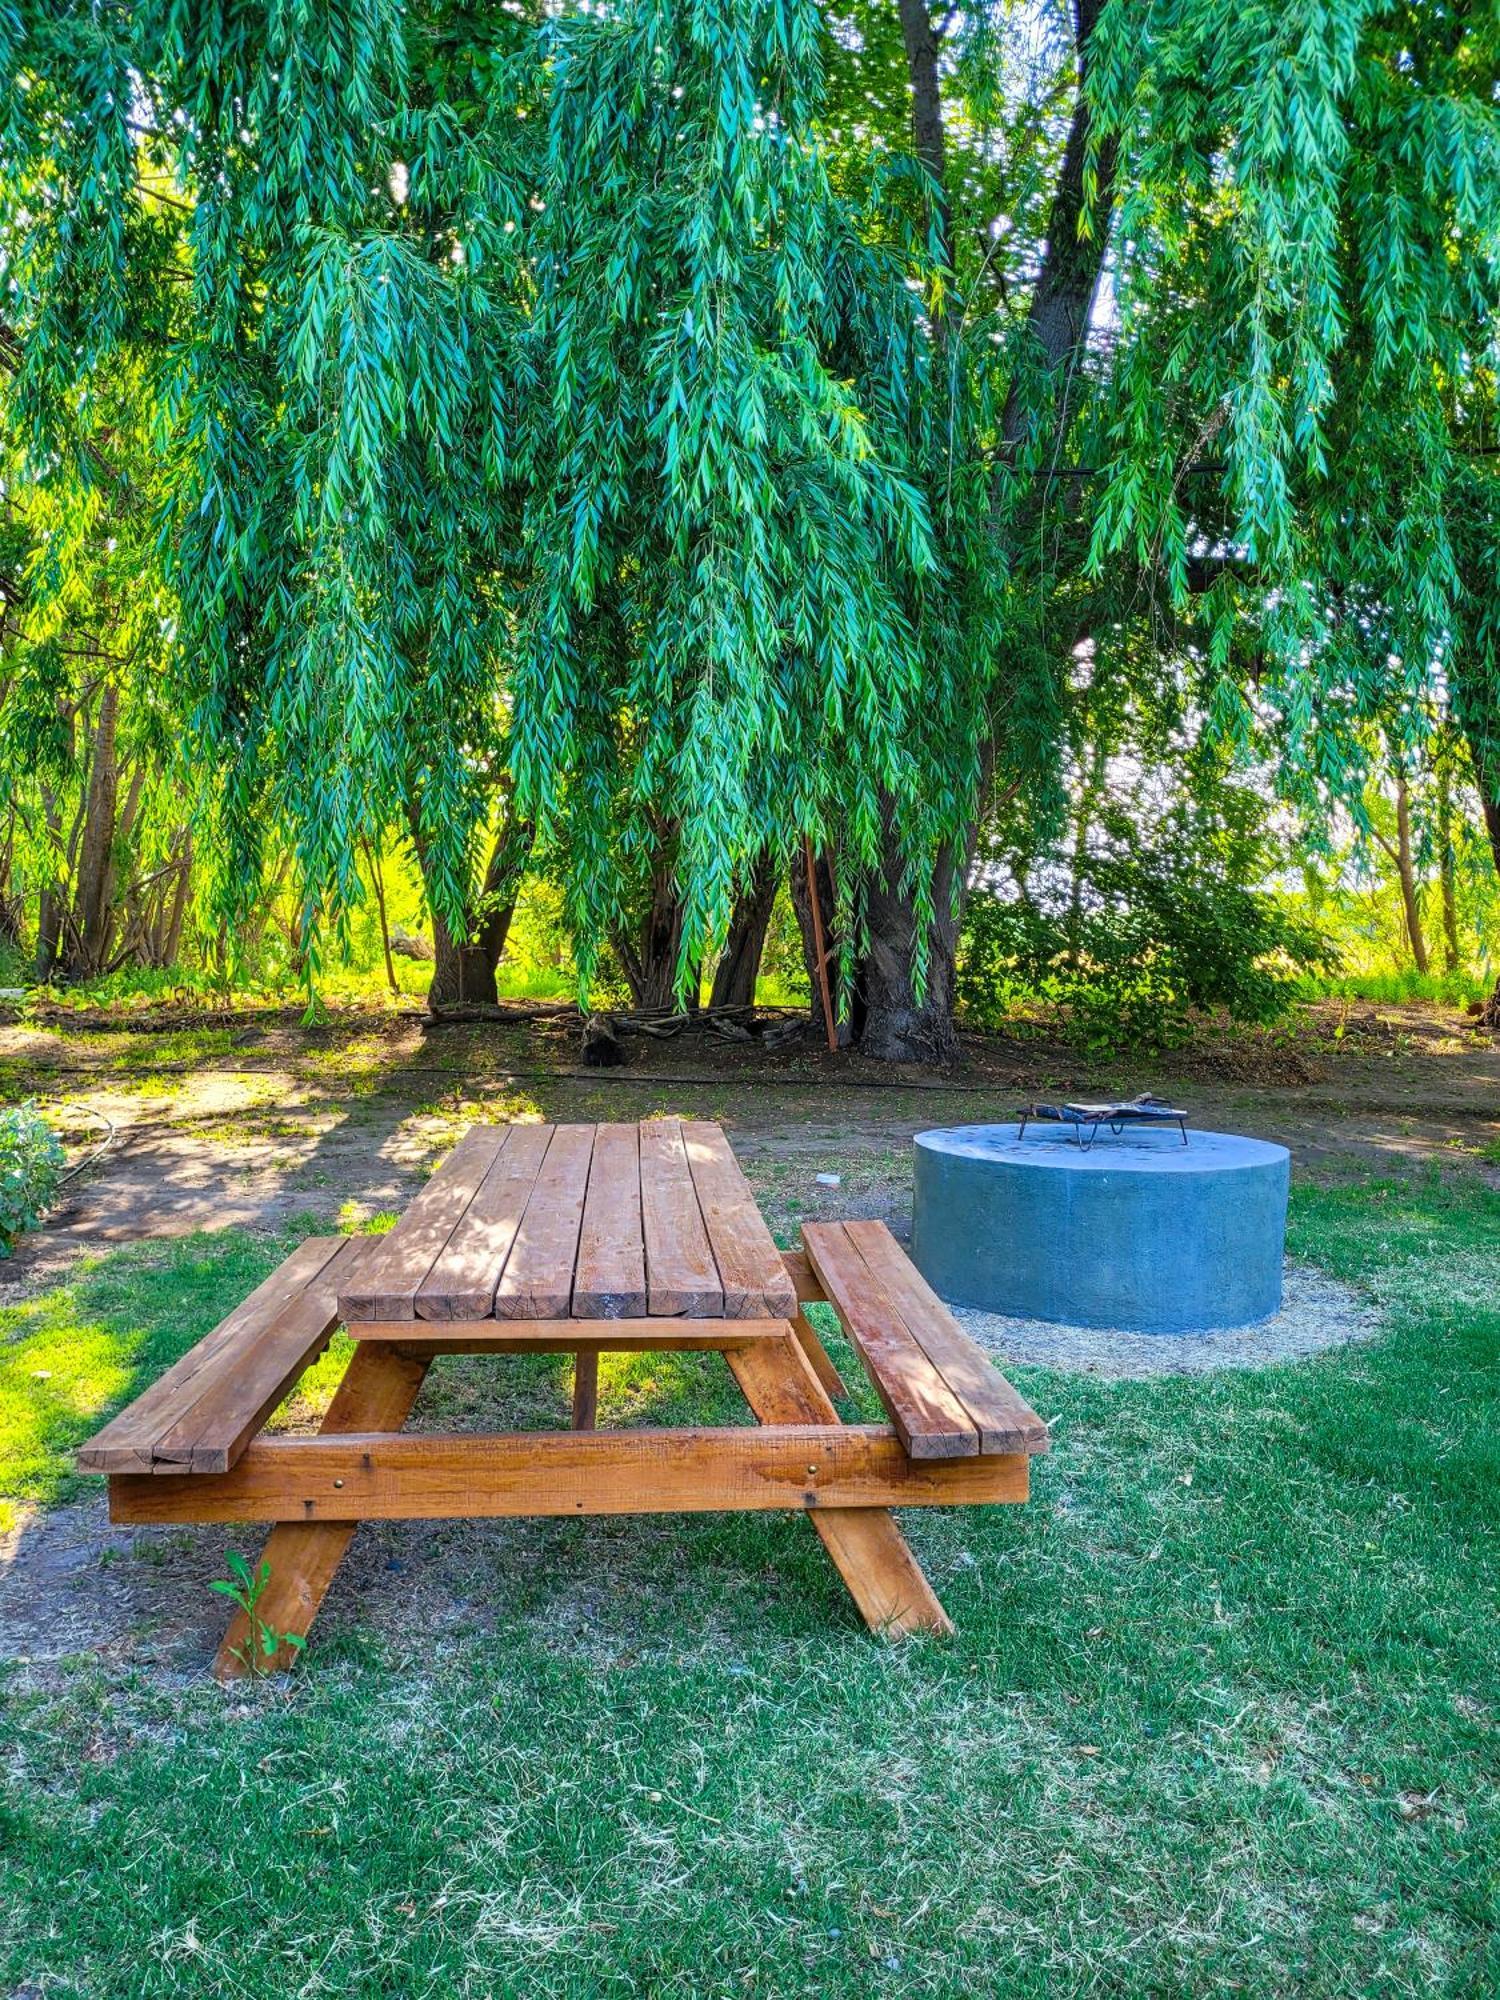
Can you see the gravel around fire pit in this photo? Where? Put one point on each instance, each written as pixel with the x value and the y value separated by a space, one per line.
pixel 1317 1312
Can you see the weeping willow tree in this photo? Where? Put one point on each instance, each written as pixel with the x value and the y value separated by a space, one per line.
pixel 295 232
pixel 1236 275
pixel 653 436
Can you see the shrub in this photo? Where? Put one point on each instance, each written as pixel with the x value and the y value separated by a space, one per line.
pixel 1162 931
pixel 31 1162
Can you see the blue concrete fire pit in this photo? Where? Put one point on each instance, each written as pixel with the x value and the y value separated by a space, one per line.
pixel 1137 1232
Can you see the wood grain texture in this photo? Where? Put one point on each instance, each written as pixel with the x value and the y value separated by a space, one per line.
pixel 818 1357
pixel 202 1411
pixel 804 1278
pixel 391 1277
pixel 585 1388
pixel 338 1480
pixel 1000 1413
pixel 681 1275
pixel 867 1549
pixel 377 1393
pixel 464 1276
pixel 554 1336
pixel 537 1282
pixel 931 1420
pixel 609 1281
pixel 751 1271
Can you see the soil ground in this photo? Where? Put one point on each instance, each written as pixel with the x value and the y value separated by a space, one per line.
pixel 222 1121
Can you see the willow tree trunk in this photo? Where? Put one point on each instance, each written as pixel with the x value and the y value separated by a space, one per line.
pixel 739 967
pixel 1411 901
pixel 899 1015
pixel 88 947
pixel 466 960
pixel 893 1019
pixel 1447 871
pixel 49 917
pixel 649 956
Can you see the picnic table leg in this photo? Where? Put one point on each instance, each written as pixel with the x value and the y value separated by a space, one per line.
pixel 819 1359
pixel 585 1388
pixel 867 1548
pixel 377 1393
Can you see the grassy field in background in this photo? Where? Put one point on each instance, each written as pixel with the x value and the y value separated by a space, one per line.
pixel 1220 1715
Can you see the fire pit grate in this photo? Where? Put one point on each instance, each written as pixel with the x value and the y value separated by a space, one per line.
pixel 1142 1110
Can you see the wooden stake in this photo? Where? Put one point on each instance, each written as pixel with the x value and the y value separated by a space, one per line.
pixel 818 945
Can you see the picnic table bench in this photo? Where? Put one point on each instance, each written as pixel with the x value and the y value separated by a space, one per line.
pixel 584 1239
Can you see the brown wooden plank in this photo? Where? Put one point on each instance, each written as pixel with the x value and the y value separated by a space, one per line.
pixel 376 1394
pixel 585 1388
pixel 248 1381
pixel 681 1275
pixel 818 1357
pixel 804 1278
pixel 932 1421
pixel 750 1269
pixel 559 1336
pixel 464 1275
pixel 537 1282
pixel 128 1442
pixel 809 1291
pixel 867 1549
pixel 375 1476
pixel 609 1281
pixel 390 1279
pixel 1000 1413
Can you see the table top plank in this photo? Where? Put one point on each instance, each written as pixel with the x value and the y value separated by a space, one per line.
pixel 388 1279
pixel 754 1279
pixel 462 1281
pixel 537 1282
pixel 681 1275
pixel 609 1281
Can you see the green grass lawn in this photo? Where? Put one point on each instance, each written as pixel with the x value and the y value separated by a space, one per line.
pixel 1220 1714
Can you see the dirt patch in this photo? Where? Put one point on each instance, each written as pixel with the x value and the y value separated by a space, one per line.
pixel 1317 1313
pixel 244 1124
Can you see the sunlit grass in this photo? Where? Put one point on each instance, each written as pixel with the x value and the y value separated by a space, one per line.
pixel 1219 1715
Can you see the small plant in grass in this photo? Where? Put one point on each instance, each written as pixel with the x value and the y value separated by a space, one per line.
pixel 31 1163
pixel 245 1587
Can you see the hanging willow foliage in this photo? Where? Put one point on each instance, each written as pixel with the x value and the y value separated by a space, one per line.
pixel 706 422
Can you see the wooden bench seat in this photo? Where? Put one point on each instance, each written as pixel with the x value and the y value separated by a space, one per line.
pixel 203 1412
pixel 944 1396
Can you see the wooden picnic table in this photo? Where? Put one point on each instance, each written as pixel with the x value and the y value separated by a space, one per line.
pixel 583 1239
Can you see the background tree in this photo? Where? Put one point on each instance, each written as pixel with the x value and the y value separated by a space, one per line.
pixel 633 442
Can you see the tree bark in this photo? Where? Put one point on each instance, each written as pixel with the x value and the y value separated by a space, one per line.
pixel 1447 878
pixel 377 882
pixel 922 41
pixel 1411 902
pixel 49 914
pixel 463 972
pixel 650 958
pixel 890 1020
pixel 893 1024
pixel 89 948
pixel 173 941
pixel 739 967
